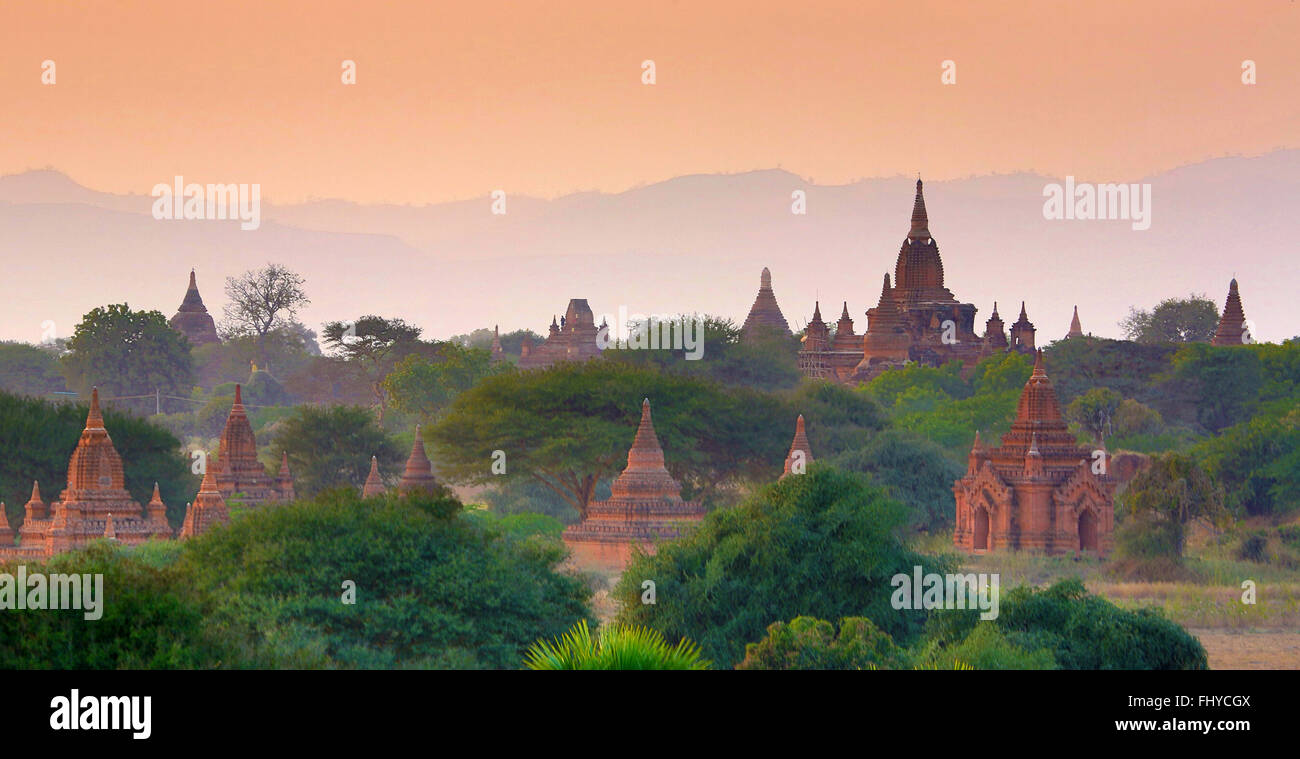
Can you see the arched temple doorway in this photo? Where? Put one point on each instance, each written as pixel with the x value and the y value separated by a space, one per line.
pixel 981 529
pixel 1087 531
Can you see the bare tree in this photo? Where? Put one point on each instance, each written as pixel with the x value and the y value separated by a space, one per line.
pixel 262 300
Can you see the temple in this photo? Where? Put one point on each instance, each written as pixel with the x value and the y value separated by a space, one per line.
pixel 95 503
pixel 374 483
pixel 192 318
pixel 498 352
pixel 800 455
pixel 418 475
pixel 1232 328
pixel 765 315
pixel 572 339
pixel 240 477
pixel 1076 329
pixel 645 505
pixel 1039 490
pixel 916 319
pixel 207 510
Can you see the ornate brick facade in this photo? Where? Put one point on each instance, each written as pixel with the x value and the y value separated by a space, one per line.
pixel 1038 490
pixel 239 474
pixel 1232 324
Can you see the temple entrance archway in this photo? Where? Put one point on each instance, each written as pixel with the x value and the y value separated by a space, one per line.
pixel 1087 531
pixel 981 529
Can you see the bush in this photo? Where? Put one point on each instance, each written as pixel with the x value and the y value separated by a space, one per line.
pixel 986 647
pixel 824 544
pixel 1082 631
pixel 808 643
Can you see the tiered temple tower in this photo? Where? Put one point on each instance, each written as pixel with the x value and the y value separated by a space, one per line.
pixel 192 318
pixel 916 319
pixel 1232 324
pixel 645 505
pixel 1076 329
pixel 573 339
pixel 240 476
pixel 800 454
pixel 96 489
pixel 208 509
pixel 374 483
pixel 418 475
pixel 498 352
pixel 765 315
pixel 1039 490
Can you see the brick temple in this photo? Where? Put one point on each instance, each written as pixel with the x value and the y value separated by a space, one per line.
pixel 645 505
pixel 417 477
pixel 95 504
pixel 192 318
pixel 239 475
pixel 916 319
pixel 1232 329
pixel 1037 491
pixel 572 339
pixel 800 456
pixel 765 315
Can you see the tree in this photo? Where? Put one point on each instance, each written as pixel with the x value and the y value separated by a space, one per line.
pixel 373 345
pixel 1221 384
pixel 570 426
pixel 913 470
pixel 262 300
pixel 423 387
pixel 1175 320
pixel 1257 460
pixel 1171 492
pixel 331 446
pixel 128 353
pixel 29 369
pixel 824 544
pixel 809 643
pixel 1095 410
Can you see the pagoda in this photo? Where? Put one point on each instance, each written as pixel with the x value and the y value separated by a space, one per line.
pixel 1076 329
pixel 95 494
pixel 645 505
pixel 418 475
pixel 208 509
pixel 240 476
pixel 800 455
pixel 917 319
pixel 192 318
pixel 1039 490
pixel 765 315
pixel 573 338
pixel 1232 328
pixel 374 483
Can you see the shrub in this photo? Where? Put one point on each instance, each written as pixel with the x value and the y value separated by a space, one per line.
pixel 986 647
pixel 808 643
pixel 616 647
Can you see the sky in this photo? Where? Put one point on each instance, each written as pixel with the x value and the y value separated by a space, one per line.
pixel 454 101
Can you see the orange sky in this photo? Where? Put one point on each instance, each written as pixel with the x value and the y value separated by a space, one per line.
pixel 545 98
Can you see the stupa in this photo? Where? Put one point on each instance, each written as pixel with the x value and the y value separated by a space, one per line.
pixel 192 318
pixel 1232 324
pixel 765 315
pixel 645 505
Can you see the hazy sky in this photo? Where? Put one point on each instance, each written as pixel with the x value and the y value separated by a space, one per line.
pixel 454 100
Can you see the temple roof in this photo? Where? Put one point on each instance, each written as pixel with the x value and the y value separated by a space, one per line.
pixel 799 443
pixel 645 476
pixel 418 474
pixel 374 483
pixel 1076 329
pixel 1232 323
pixel 765 313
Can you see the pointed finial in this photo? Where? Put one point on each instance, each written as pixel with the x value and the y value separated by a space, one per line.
pixel 239 395
pixel 94 419
pixel 765 279
pixel 1039 370
pixel 976 445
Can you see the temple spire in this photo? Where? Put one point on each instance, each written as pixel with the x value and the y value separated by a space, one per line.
pixel 920 220
pixel 1232 324
pixel 374 483
pixel 800 444
pixel 418 475
pixel 94 419
pixel 1076 329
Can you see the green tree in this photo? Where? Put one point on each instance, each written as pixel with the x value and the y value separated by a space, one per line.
pixel 912 469
pixel 809 643
pixel 423 387
pixel 373 345
pixel 1173 491
pixel 570 426
pixel 1095 411
pixel 1174 320
pixel 1257 461
pixel 29 369
pixel 824 544
pixel 128 353
pixel 331 446
pixel 1222 384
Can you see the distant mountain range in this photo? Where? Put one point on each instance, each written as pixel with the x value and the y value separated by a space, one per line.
pixel 693 243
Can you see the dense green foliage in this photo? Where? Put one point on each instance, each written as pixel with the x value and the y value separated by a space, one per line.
pixel 824 544
pixel 1080 630
pixel 423 387
pixel 128 353
pixel 913 470
pixel 1174 320
pixel 38 437
pixel 331 446
pixel 614 647
pixel 29 369
pixel 809 643
pixel 1171 492
pixel 767 360
pixel 1258 461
